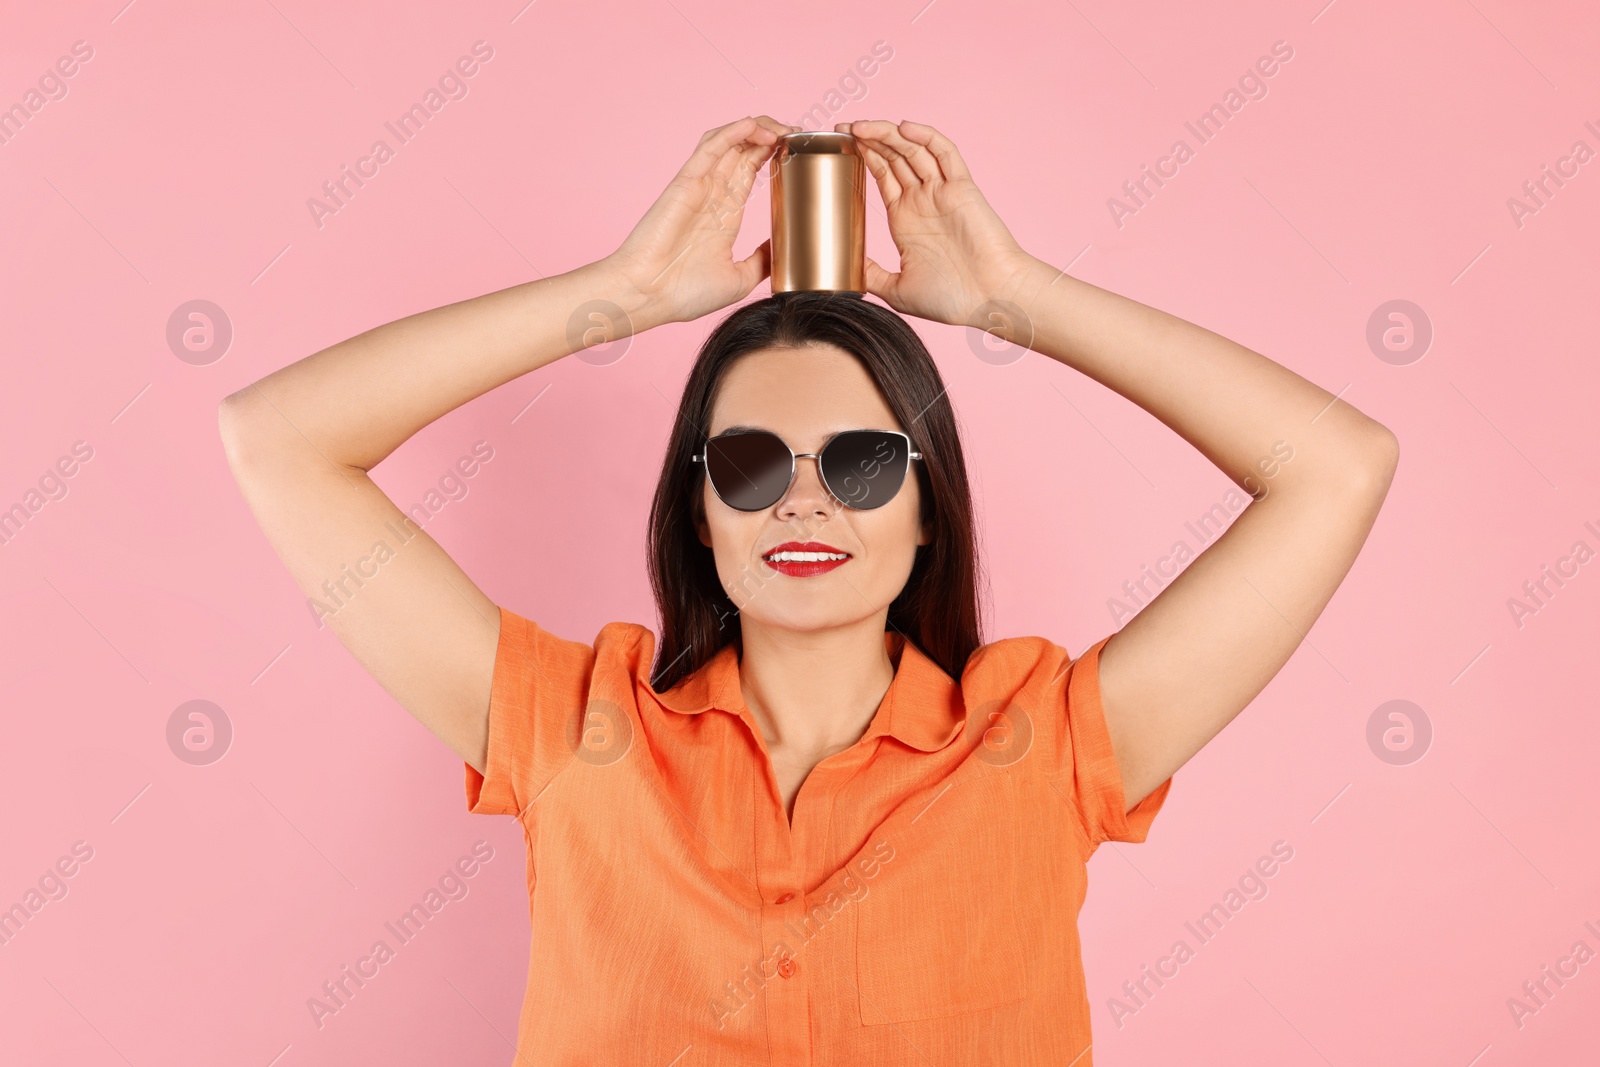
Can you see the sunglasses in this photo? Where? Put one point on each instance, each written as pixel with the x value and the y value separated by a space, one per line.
pixel 751 470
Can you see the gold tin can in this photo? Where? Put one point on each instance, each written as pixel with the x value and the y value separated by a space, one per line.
pixel 819 213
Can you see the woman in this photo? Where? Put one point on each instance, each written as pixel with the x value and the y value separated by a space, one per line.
pixel 820 824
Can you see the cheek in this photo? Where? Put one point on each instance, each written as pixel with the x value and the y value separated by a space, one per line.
pixel 910 513
pixel 891 533
pixel 702 519
pixel 721 528
pixel 733 536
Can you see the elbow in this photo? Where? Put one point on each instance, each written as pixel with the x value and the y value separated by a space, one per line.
pixel 231 419
pixel 240 427
pixel 260 441
pixel 1379 457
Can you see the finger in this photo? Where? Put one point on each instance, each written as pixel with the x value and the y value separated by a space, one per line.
pixel 903 171
pixel 917 156
pixel 737 167
pixel 754 267
pixel 714 144
pixel 755 161
pixel 779 128
pixel 735 176
pixel 942 148
pixel 881 283
pixel 888 184
pixel 714 148
pixel 877 133
pixel 869 129
pixel 743 169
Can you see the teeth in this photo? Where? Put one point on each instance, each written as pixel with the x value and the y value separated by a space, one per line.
pixel 805 557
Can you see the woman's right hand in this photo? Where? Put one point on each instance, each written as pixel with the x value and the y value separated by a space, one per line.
pixel 679 258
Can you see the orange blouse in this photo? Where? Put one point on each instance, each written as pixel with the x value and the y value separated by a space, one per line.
pixel 922 908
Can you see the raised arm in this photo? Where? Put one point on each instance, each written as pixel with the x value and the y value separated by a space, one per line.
pixel 302 440
pixel 1318 469
pixel 1212 639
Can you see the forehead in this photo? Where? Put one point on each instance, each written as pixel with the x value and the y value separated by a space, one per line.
pixel 801 394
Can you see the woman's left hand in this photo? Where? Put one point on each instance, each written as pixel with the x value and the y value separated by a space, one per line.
pixel 955 253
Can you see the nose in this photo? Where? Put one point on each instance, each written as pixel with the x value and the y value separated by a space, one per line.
pixel 807 494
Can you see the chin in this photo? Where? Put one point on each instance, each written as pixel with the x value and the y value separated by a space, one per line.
pixel 807 618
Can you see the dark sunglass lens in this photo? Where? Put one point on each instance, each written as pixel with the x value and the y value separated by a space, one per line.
pixel 865 468
pixel 749 471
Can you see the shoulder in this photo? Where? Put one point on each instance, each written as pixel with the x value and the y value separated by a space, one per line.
pixel 613 636
pixel 1017 661
pixel 618 647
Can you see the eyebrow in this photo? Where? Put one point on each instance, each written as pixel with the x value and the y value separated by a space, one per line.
pixel 747 428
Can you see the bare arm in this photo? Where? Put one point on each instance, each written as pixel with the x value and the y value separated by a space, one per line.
pixel 1213 638
pixel 1180 671
pixel 302 440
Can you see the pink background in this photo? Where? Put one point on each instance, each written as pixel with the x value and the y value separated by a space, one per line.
pixel 178 166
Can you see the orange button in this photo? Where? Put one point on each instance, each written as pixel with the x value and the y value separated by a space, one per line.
pixel 786 967
pixel 784 899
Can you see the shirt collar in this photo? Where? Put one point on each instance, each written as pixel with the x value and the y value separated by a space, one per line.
pixel 923 707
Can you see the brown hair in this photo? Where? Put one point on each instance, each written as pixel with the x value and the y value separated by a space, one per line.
pixel 938 608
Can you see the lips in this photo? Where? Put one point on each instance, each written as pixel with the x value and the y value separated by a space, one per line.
pixel 804 559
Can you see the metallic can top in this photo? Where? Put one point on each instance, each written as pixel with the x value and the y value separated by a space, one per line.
pixel 819 213
pixel 821 141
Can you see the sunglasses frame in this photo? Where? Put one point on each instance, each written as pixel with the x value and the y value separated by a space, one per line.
pixel 796 457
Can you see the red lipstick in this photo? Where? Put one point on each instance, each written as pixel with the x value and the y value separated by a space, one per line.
pixel 804 559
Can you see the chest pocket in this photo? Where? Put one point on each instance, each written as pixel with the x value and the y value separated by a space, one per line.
pixel 937 933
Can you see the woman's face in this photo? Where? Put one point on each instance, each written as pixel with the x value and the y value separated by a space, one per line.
pixel 805 396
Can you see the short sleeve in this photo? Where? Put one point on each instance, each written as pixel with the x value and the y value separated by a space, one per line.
pixel 1096 779
pixel 536 704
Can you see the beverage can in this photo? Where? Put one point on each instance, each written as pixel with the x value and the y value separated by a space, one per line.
pixel 819 213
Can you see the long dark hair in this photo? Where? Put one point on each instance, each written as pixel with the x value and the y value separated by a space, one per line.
pixel 938 607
